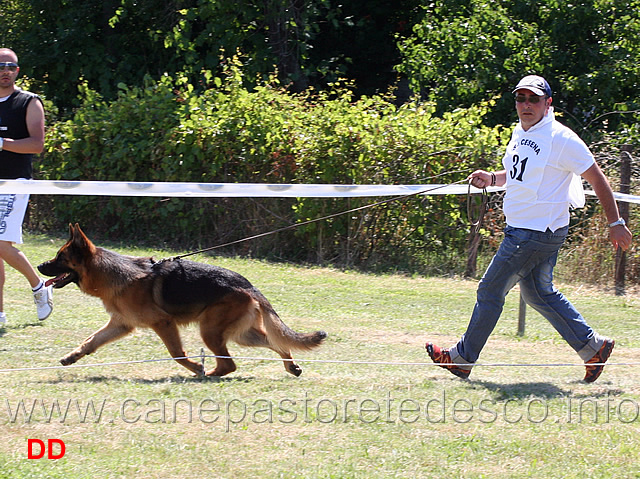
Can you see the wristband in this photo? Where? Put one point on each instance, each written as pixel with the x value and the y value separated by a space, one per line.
pixel 620 221
pixel 493 179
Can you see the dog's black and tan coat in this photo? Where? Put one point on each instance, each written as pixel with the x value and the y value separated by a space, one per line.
pixel 139 292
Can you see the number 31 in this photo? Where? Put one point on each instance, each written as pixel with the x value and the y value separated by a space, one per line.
pixel 518 168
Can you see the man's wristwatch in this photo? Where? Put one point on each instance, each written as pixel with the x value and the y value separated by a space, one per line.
pixel 620 221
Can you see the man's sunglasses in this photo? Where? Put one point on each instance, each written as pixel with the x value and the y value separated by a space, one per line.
pixel 12 67
pixel 532 99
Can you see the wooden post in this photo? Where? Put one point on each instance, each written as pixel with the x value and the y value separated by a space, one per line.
pixel 623 207
pixel 522 315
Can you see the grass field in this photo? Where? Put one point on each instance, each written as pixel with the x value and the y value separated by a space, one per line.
pixel 368 405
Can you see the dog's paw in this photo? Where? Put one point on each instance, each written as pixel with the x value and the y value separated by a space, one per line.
pixel 67 360
pixel 294 369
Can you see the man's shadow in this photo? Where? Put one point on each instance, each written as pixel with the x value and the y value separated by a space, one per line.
pixel 544 390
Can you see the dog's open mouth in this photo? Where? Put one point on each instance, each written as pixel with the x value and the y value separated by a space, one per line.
pixel 62 280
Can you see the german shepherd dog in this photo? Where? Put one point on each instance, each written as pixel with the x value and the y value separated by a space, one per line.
pixel 163 295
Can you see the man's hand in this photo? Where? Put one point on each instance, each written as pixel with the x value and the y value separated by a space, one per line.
pixel 480 179
pixel 620 237
pixel 484 179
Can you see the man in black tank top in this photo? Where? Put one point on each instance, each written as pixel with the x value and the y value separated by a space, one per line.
pixel 21 137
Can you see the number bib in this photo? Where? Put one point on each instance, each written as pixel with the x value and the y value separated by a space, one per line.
pixel 525 160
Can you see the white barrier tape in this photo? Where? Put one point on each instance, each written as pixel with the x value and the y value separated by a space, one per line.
pixel 242 190
pixel 618 196
pixel 130 188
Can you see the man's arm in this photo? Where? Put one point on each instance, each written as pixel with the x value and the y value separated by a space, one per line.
pixel 483 179
pixel 619 235
pixel 34 143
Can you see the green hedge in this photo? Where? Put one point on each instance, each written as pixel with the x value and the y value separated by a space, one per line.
pixel 171 131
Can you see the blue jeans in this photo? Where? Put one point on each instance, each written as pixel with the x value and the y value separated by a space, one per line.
pixel 526 257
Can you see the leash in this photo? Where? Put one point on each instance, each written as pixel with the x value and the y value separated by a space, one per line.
pixel 323 218
pixel 482 209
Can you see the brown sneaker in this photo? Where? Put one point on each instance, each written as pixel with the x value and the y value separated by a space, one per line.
pixel 595 365
pixel 442 357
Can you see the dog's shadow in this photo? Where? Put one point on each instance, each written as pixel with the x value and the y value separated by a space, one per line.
pixel 175 379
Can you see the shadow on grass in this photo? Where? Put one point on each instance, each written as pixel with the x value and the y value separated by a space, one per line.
pixel 4 329
pixel 544 390
pixel 31 324
pixel 176 379
pixel 524 390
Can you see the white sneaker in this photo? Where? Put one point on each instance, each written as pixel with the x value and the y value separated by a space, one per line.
pixel 3 320
pixel 44 301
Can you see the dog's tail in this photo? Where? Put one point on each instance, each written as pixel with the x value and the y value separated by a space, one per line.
pixel 282 337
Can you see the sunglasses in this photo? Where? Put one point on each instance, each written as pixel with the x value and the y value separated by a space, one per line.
pixel 532 99
pixel 12 67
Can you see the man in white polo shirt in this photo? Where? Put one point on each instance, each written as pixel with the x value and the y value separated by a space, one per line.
pixel 543 164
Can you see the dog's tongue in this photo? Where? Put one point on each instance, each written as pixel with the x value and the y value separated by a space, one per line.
pixel 51 281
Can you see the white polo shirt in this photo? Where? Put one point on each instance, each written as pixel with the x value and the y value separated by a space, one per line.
pixel 543 168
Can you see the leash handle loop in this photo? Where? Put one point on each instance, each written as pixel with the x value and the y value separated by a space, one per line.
pixel 476 223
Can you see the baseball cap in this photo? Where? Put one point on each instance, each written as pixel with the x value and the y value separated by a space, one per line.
pixel 536 84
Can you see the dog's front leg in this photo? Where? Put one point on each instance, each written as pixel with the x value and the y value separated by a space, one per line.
pixel 109 332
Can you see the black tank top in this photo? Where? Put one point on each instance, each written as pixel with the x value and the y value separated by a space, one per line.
pixel 13 124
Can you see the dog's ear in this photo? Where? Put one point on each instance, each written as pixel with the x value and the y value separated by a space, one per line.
pixel 74 230
pixel 79 239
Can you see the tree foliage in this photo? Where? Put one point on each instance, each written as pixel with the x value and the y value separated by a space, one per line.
pixel 465 50
pixel 65 43
pixel 454 52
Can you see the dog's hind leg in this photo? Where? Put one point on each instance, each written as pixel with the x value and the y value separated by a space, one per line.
pixel 289 365
pixel 217 344
pixel 255 337
pixel 109 332
pixel 168 332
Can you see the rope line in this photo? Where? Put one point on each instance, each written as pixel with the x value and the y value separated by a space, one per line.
pixel 326 361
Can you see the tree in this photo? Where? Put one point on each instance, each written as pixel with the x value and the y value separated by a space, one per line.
pixel 66 43
pixel 62 44
pixel 465 50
